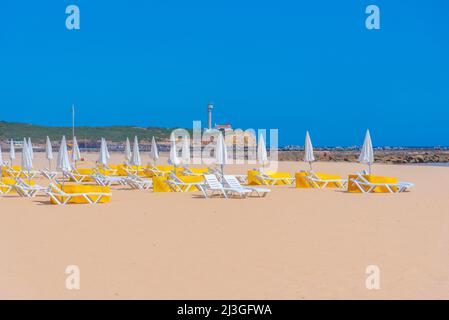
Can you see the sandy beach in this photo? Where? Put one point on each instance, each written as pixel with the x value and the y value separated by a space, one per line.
pixel 293 244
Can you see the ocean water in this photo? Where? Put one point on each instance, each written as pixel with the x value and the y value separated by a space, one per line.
pixel 437 164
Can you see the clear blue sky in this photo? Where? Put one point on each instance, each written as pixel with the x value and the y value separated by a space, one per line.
pixel 292 65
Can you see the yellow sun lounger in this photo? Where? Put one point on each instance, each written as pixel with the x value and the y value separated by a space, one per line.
pixel 318 180
pixel 110 170
pixel 7 185
pixel 78 194
pixel 11 171
pixel 129 170
pixel 376 184
pixel 80 175
pixel 194 171
pixel 269 178
pixel 161 170
pixel 178 183
pixel 17 172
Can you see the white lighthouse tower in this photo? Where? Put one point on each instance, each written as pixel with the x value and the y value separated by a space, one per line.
pixel 210 106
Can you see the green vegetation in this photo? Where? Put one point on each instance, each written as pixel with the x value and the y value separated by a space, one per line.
pixel 18 131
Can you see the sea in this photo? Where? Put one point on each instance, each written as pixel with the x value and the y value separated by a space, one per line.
pixel 435 164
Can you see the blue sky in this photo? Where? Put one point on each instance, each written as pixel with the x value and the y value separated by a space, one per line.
pixel 291 65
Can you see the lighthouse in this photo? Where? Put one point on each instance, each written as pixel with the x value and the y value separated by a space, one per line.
pixel 210 106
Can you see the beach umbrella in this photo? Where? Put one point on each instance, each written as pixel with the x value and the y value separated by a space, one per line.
pixel 135 159
pixel 76 156
pixel 128 153
pixel 12 152
pixel 262 156
pixel 27 161
pixel 174 160
pixel 30 148
pixel 185 151
pixel 308 151
pixel 367 153
pixel 154 153
pixel 103 156
pixel 106 146
pixel 63 163
pixel 1 157
pixel 63 157
pixel 48 152
pixel 221 153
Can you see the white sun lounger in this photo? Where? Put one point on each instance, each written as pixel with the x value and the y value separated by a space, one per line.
pixel 50 175
pixel 133 172
pixel 107 181
pixel 91 197
pixel 8 188
pixel 27 174
pixel 138 183
pixel 155 171
pixel 189 172
pixel 111 172
pixel 177 185
pixel 319 183
pixel 242 178
pixel 367 187
pixel 233 182
pixel 212 186
pixel 25 190
pixel 76 176
pixel 267 180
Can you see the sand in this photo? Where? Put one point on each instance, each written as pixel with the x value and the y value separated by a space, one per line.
pixel 293 244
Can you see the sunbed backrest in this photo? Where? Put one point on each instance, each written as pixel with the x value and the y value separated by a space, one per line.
pixel 212 181
pixel 232 181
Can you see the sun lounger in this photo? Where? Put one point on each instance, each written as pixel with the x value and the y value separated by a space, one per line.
pixel 214 170
pixel 106 170
pixel 233 182
pixel 321 183
pixel 5 188
pixel 20 173
pixel 77 177
pixel 154 171
pixel 365 186
pixel 62 198
pixel 138 183
pixel 187 171
pixel 242 178
pixel 212 186
pixel 266 179
pixel 177 185
pixel 27 190
pixel 107 181
pixel 50 175
pixel 130 171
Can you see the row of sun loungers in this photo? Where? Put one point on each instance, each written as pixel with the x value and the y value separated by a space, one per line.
pixel 211 184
